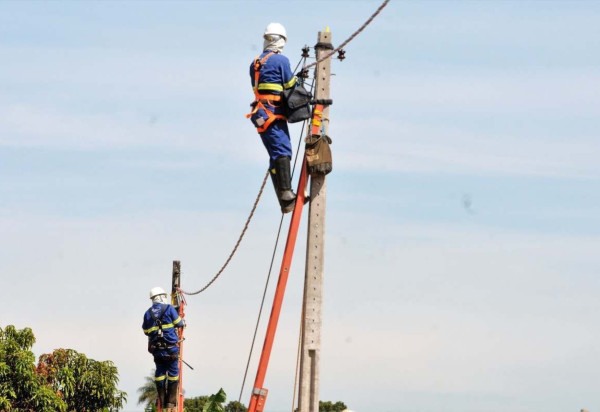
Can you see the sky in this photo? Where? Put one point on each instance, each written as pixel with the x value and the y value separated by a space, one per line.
pixel 462 271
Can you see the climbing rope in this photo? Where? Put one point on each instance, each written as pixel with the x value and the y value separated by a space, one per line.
pixel 237 244
pixel 349 39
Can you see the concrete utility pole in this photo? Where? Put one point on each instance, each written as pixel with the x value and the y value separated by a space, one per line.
pixel 308 395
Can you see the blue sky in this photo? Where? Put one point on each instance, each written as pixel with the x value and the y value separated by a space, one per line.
pixel 463 229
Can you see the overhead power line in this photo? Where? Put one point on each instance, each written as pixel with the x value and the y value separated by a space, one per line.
pixel 349 39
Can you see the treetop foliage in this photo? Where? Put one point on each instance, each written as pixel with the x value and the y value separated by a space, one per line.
pixel 63 381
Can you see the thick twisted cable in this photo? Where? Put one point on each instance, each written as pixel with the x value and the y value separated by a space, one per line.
pixel 262 187
pixel 349 39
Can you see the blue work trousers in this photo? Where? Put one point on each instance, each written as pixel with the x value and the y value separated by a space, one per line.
pixel 166 368
pixel 277 141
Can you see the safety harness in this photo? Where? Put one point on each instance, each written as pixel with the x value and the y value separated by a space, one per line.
pixel 261 99
pixel 158 342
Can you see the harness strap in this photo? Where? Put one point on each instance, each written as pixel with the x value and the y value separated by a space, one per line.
pixel 269 121
pixel 267 98
pixel 158 319
pixel 257 66
pixel 261 99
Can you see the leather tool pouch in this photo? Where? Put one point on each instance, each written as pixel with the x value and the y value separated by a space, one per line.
pixel 318 155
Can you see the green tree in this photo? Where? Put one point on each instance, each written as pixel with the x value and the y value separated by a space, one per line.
pixel 215 402
pixel 328 406
pixel 84 384
pixel 235 406
pixel 195 404
pixel 21 388
pixel 148 394
pixel 64 381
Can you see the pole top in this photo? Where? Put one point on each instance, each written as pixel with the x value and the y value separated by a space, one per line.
pixel 327 30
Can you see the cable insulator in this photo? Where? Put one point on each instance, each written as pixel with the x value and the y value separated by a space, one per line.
pixel 305 51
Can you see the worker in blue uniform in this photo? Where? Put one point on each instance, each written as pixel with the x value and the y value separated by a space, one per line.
pixel 271 74
pixel 160 323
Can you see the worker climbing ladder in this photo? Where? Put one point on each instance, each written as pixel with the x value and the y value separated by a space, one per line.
pixel 316 163
pixel 314 259
pixel 178 301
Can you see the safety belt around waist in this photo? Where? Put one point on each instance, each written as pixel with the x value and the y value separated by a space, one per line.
pixel 259 99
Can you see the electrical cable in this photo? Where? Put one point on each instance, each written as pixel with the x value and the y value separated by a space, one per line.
pixel 237 244
pixel 349 39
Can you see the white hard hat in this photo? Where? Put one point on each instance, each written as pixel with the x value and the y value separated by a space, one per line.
pixel 275 28
pixel 155 291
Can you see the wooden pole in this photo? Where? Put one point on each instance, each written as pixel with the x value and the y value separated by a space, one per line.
pixel 308 394
pixel 176 282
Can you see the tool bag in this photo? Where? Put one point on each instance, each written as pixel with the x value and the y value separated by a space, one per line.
pixel 297 103
pixel 318 154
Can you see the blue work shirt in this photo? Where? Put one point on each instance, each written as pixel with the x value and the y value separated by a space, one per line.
pixel 275 75
pixel 170 320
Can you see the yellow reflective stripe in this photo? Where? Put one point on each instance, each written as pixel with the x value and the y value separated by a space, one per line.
pixel 176 321
pixel 165 326
pixel 160 378
pixel 173 378
pixel 290 83
pixel 270 86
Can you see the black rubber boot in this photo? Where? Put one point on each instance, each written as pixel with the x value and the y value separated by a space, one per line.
pixel 287 198
pixel 161 393
pixel 172 394
pixel 284 179
pixel 286 206
pixel 274 180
